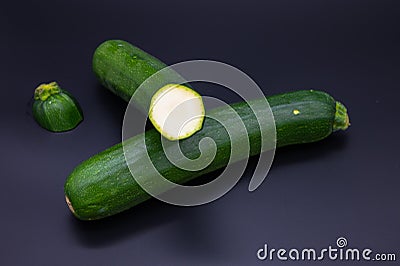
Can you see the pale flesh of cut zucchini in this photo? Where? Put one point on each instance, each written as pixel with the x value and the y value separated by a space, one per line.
pixel 176 111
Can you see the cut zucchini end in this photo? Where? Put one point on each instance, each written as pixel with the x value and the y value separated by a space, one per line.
pixel 342 120
pixel 176 111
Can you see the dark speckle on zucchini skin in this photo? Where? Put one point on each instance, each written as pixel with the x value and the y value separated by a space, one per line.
pixel 102 185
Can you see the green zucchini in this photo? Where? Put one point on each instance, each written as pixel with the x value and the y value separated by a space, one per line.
pixel 55 109
pixel 102 185
pixel 122 68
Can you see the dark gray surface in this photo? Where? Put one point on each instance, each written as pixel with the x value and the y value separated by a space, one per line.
pixel 346 185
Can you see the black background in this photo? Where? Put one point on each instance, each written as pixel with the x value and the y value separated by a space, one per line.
pixel 346 185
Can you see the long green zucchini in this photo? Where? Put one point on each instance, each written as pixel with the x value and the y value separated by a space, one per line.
pixel 122 68
pixel 102 185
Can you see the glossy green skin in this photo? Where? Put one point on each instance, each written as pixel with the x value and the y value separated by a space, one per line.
pixel 122 68
pixel 102 185
pixel 58 113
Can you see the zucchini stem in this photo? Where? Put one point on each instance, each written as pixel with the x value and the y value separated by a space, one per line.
pixel 44 91
pixel 342 121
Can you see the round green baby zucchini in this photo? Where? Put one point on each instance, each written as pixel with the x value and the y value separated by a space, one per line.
pixel 55 109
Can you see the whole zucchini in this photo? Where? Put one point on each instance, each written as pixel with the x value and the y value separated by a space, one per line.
pixel 102 185
pixel 122 67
